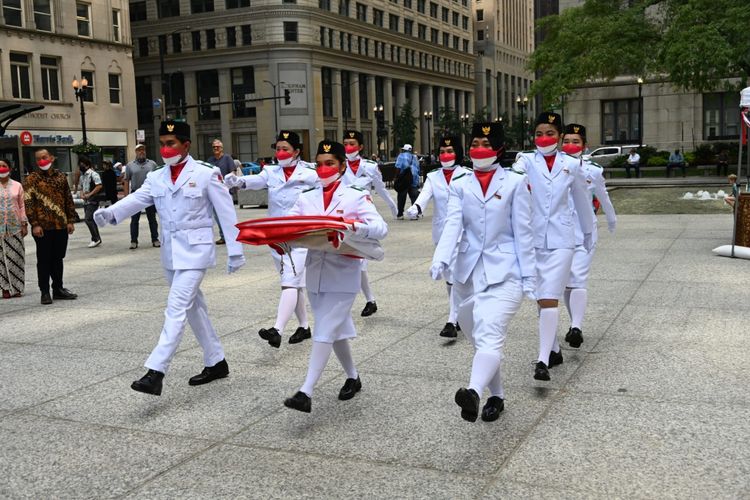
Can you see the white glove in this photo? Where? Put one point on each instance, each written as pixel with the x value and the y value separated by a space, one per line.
pixel 413 212
pixel 588 242
pixel 234 262
pixel 437 270
pixel 529 287
pixel 611 226
pixel 232 181
pixel 362 229
pixel 103 216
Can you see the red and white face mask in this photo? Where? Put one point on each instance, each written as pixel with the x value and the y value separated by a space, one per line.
pixel 482 159
pixel 327 174
pixel 352 152
pixel 284 158
pixel 44 164
pixel 448 160
pixel 170 156
pixel 573 149
pixel 546 144
pixel 4 171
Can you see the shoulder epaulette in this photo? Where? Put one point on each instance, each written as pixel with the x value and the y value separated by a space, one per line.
pixel 204 164
pixel 595 164
pixel 310 189
pixel 357 188
pixel 459 176
pixel 158 167
pixel 310 167
pixel 529 151
pixel 516 171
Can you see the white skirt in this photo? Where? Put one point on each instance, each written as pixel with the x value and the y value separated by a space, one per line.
pixel 580 268
pixel 552 272
pixel 333 316
pixel 292 270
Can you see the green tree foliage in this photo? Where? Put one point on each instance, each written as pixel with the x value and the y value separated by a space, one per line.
pixel 404 126
pixel 692 43
pixel 449 123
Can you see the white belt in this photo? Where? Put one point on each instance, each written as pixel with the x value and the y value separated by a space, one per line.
pixel 188 224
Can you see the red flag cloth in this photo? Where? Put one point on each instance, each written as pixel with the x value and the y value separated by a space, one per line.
pixel 745 119
pixel 448 173
pixel 484 179
pixel 550 161
pixel 597 205
pixel 175 170
pixel 328 193
pixel 354 166
pixel 288 171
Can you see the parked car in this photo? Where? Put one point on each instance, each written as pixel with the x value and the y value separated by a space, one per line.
pixel 250 168
pixel 607 154
pixel 508 158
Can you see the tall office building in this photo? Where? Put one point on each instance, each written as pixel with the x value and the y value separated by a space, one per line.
pixel 44 46
pixel 339 59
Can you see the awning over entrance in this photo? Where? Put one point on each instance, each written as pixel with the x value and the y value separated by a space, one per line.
pixel 10 111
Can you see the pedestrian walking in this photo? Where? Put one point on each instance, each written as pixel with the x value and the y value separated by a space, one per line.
pixel 51 213
pixel 226 166
pixel 91 187
pixel 408 166
pixel 109 181
pixel 134 176
pixel 185 193
pixel 13 229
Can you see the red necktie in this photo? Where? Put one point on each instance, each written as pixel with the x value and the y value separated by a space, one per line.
pixel 550 161
pixel 328 193
pixel 175 170
pixel 354 166
pixel 448 173
pixel 288 171
pixel 484 179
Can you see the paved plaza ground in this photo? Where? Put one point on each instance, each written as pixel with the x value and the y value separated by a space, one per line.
pixel 654 405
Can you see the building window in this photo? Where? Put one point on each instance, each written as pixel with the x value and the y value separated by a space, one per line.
pixel 290 31
pixel 143 47
pixel 327 83
pixel 434 35
pixel 480 14
pixel 114 88
pixel 465 22
pixel 444 14
pixel 621 121
pixel 116 25
pixel 720 117
pixel 480 35
pixel 446 40
pixel 407 4
pixel 466 46
pixel 322 36
pixel 361 12
pixel 421 6
pixel 143 99
pixel 346 94
pixel 176 43
pixel 207 89
pixel 455 18
pixel 83 19
pixel 422 32
pixel 90 94
pixel 231 36
pixel 196 41
pixel 12 12
pixel 243 88
pixel 43 15
pixel 168 8
pixel 247 34
pixel 344 8
pixel 324 4
pixel 455 42
pixel 138 11
pixel 210 39
pixel 288 1
pixel 392 22
pixel 364 105
pixel 245 146
pixel 409 27
pixel 377 17
pixel 433 10
pixel 50 79
pixel 235 4
pixel 200 6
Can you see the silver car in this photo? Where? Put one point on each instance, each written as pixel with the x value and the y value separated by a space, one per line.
pixel 606 154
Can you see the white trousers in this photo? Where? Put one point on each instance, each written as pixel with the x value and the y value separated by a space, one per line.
pixel 333 316
pixel 580 268
pixel 292 270
pixel 185 303
pixel 552 272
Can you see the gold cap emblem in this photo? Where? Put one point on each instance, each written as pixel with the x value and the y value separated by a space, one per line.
pixel 447 142
pixel 285 135
pixel 551 118
pixel 170 127
pixel 327 148
pixel 351 135
pixel 576 129
pixel 486 130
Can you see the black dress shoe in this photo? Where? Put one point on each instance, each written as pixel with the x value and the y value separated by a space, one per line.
pixel 370 309
pixel 351 387
pixel 150 383
pixel 211 373
pixel 468 400
pixel 299 402
pixel 299 335
pixel 540 371
pixel 46 299
pixel 574 337
pixel 272 335
pixel 449 330
pixel 492 409
pixel 555 358
pixel 63 294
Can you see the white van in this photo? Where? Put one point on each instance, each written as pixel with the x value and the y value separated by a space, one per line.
pixel 606 154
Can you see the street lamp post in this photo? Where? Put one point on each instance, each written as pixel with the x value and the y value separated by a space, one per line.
pixel 79 89
pixel 522 102
pixel 465 123
pixel 640 112
pixel 379 113
pixel 428 117
pixel 275 107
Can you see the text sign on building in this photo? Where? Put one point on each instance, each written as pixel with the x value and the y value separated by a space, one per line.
pixel 293 76
pixel 26 138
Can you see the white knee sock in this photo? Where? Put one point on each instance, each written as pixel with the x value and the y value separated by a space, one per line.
pixel 556 345
pixel 548 317
pixel 287 305
pixel 301 310
pixel 344 352
pixel 496 384
pixel 319 355
pixel 579 298
pixel 566 299
pixel 366 290
pixel 483 368
pixel 453 305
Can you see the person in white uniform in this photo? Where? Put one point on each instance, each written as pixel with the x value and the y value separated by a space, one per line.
pixel 333 280
pixel 489 212
pixel 185 192
pixel 436 187
pixel 364 173
pixel 576 292
pixel 284 182
pixel 555 178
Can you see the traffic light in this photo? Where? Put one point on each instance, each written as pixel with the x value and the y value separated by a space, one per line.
pixel 287 97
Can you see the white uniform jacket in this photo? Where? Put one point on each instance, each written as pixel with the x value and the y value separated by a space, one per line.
pixel 329 272
pixel 494 227
pixel 185 213
pixel 550 192
pixel 436 187
pixel 596 185
pixel 282 193
pixel 368 176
